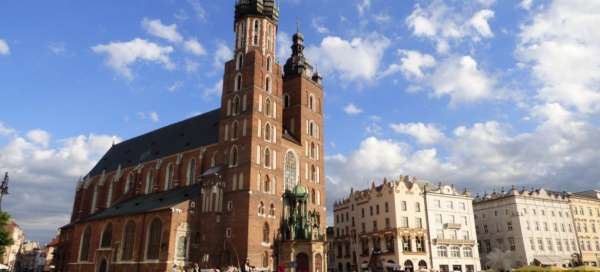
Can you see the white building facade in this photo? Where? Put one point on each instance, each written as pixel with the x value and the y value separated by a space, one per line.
pixel 451 226
pixel 532 226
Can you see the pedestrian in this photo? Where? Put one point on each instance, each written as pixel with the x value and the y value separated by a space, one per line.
pixel 174 268
pixel 196 268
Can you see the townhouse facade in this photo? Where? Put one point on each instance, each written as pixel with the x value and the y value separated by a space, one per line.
pixel 533 227
pixel 585 209
pixel 451 226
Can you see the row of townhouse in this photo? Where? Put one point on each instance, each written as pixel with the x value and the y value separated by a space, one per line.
pixel 539 227
pixel 406 224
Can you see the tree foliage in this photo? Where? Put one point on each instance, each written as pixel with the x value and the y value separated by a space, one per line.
pixel 5 239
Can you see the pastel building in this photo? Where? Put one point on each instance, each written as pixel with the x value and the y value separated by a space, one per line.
pixel 534 226
pixel 451 226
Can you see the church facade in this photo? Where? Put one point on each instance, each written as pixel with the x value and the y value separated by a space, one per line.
pixel 244 182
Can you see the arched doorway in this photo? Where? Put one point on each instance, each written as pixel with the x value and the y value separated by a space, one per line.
pixel 408 266
pixel 318 263
pixel 340 267
pixel 302 262
pixel 422 265
pixel 103 266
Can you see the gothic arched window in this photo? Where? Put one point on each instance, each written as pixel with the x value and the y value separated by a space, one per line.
pixel 256 31
pixel 191 172
pixel 234 130
pixel 84 249
pixel 236 106
pixel 149 181
pixel 106 236
pixel 128 240
pixel 268 132
pixel 312 150
pixel 233 156
pixel 169 177
pixel 267 186
pixel 311 102
pixel 154 240
pixel 129 183
pixel 266 233
pixel 268 108
pixel 261 208
pixel 267 157
pixel 311 129
pixel 313 196
pixel 238 82
pixel 269 64
pixel 272 210
pixel 313 173
pixel 239 62
pixel 291 171
pixel 268 85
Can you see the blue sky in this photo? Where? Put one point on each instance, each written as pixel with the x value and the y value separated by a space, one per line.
pixel 483 94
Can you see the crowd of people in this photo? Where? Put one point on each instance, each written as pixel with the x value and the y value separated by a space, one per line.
pixel 196 268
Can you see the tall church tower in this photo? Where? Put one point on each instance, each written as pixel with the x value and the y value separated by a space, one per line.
pixel 266 176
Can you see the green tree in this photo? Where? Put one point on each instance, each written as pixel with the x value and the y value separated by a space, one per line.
pixel 5 239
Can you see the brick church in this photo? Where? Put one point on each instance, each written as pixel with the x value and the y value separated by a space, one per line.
pixel 242 183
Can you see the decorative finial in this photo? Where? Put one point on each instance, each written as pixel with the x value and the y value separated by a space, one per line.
pixel 297 25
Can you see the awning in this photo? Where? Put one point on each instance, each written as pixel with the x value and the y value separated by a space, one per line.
pixel 552 260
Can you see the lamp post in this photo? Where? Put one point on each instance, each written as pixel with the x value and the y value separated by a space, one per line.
pixel 3 189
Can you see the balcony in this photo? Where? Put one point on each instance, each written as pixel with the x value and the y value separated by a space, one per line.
pixel 452 226
pixel 453 241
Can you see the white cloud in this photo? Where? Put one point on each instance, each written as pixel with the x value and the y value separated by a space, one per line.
pixel 363 6
pixel 39 136
pixel 57 48
pixel 4 48
pixel 121 55
pixel 461 79
pixel 194 47
pixel 411 64
pixel 167 32
pixel 222 55
pixel 284 42
pixel 382 18
pixel 152 116
pixel 358 58
pixel 480 22
pixel 444 24
pixel 352 109
pixel 5 131
pixel 526 4
pixel 175 86
pixel 318 25
pixel 191 66
pixel 214 90
pixel 44 175
pixel 198 9
pixel 557 45
pixel 423 133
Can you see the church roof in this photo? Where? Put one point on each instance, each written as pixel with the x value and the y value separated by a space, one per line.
pixel 200 130
pixel 148 203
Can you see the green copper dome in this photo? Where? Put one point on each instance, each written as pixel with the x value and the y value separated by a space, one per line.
pixel 300 191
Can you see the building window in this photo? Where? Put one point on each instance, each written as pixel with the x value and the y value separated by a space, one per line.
pixel 235 128
pixel 442 251
pixel 169 177
pixel 128 240
pixel 286 101
pixel 255 34
pixel 268 132
pixel 182 247
pixel 468 252
pixel 403 206
pixel 404 222
pixel 191 172
pixel 272 210
pixel 130 182
pixel 311 102
pixel 239 62
pixel 268 85
pixel 455 252
pixel 406 244
pixel 84 251
pixel 291 170
pixel 261 208
pixel 420 244
pixel 267 158
pixel 266 233
pixel 154 240
pixel 233 156
pixel 389 243
pixel 106 236
pixel 238 82
pixel 269 63
pixel 149 181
